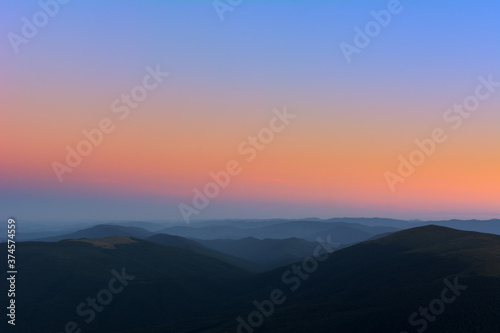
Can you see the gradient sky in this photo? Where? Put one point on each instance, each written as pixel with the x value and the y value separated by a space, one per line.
pixel 353 120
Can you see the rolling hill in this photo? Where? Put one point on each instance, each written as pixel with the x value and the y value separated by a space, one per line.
pixel 376 286
pixel 168 282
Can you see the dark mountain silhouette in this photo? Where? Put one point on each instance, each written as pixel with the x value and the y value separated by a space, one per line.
pixel 374 286
pixel 489 226
pixel 170 283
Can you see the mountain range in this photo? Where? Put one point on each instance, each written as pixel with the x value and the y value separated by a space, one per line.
pixel 180 285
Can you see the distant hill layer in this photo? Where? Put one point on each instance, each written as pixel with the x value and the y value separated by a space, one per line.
pixel 269 253
pixel 101 231
pixel 339 232
pixel 196 247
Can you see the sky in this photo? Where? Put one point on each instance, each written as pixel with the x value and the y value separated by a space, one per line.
pixel 333 93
